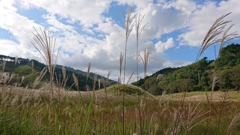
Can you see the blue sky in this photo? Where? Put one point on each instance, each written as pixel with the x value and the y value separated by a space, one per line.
pixel 93 31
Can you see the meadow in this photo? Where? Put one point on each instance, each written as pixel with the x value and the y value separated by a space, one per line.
pixel 25 111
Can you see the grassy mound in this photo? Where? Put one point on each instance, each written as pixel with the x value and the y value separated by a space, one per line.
pixel 128 90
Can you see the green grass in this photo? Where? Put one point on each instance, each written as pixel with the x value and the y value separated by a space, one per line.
pixel 233 95
pixel 129 90
pixel 30 114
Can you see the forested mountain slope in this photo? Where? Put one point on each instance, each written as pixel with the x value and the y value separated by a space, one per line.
pixel 23 67
pixel 198 76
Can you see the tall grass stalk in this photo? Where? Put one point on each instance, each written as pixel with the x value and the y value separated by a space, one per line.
pixel 128 22
pixel 139 28
pixel 215 81
pixel 32 66
pixel 65 78
pixel 145 59
pixel 129 78
pixel 39 78
pixel 213 33
pixel 94 85
pixel 99 84
pixel 108 75
pixel 88 72
pixel 3 65
pixel 61 81
pixel 11 77
pixel 213 37
pixel 104 86
pixel 120 71
pixel 128 28
pixel 45 45
pixel 16 60
pixel 226 37
pixel 75 79
pixel 210 38
pixel 20 81
pixel 233 124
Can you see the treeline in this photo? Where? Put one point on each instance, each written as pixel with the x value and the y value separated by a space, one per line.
pixel 199 76
pixel 24 67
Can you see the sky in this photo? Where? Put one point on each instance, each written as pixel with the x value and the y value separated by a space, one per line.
pixel 93 31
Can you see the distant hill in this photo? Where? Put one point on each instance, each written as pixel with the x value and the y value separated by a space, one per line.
pixel 23 67
pixel 198 76
pixel 91 75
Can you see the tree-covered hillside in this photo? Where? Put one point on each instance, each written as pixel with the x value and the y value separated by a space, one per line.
pixel 23 67
pixel 198 76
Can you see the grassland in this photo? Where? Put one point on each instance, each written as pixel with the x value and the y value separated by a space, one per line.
pixel 25 111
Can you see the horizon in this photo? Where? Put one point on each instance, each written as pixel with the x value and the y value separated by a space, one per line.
pixel 93 31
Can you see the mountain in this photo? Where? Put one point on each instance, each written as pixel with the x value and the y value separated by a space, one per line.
pixel 23 67
pixel 224 72
pixel 91 75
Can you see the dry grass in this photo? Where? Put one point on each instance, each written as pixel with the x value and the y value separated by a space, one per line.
pixel 45 45
pixel 145 59
pixel 38 80
pixel 213 33
pixel 167 118
pixel 215 81
pixel 88 71
pixel 138 28
pixel 128 22
pixel 227 36
pixel 75 81
pixel 201 96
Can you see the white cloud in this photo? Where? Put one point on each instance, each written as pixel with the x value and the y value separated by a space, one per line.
pixel 163 46
pixel 175 63
pixel 56 24
pixel 140 4
pixel 202 19
pixel 100 39
pixel 8 47
pixel 160 21
pixel 84 11
pixel 186 6
pixel 19 26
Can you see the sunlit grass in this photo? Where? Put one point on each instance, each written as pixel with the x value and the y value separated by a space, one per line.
pixel 29 114
pixel 201 95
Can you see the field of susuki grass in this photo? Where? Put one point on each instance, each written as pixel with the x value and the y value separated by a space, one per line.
pixel 34 113
pixel 122 109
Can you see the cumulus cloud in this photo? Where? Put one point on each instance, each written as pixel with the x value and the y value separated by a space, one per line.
pixel 8 47
pixel 163 46
pixel 78 47
pixel 86 12
pixel 19 26
pixel 85 35
pixel 186 6
pixel 139 4
pixel 161 21
pixel 176 63
pixel 202 19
